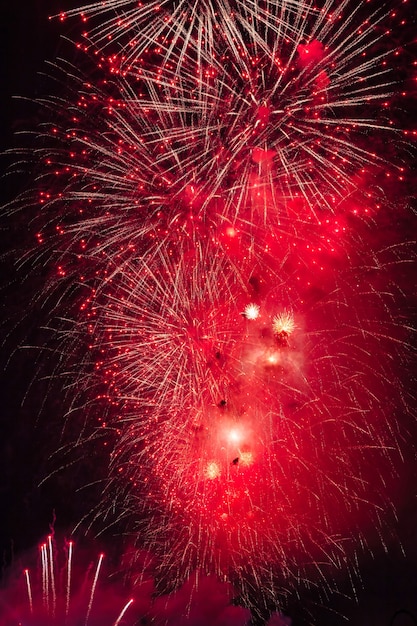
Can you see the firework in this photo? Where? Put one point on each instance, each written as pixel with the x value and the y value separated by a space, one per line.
pixel 219 162
pixel 263 450
pixel 61 592
pixel 57 592
pixel 274 135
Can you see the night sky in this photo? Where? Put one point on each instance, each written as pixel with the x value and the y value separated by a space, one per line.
pixel 31 402
pixel 31 399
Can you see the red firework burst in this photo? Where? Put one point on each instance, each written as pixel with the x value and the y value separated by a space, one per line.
pixel 216 185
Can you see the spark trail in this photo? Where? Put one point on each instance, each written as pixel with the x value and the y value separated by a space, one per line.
pixel 214 184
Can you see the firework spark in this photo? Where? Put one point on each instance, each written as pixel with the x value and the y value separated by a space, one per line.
pixel 251 311
pixel 284 324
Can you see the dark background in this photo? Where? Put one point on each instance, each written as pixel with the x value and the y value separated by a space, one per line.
pixel 30 403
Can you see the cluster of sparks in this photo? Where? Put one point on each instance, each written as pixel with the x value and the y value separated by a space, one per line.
pixel 213 184
pixel 55 595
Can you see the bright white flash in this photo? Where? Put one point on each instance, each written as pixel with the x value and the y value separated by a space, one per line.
pixel 251 311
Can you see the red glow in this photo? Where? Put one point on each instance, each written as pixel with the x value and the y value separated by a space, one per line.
pixel 220 206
